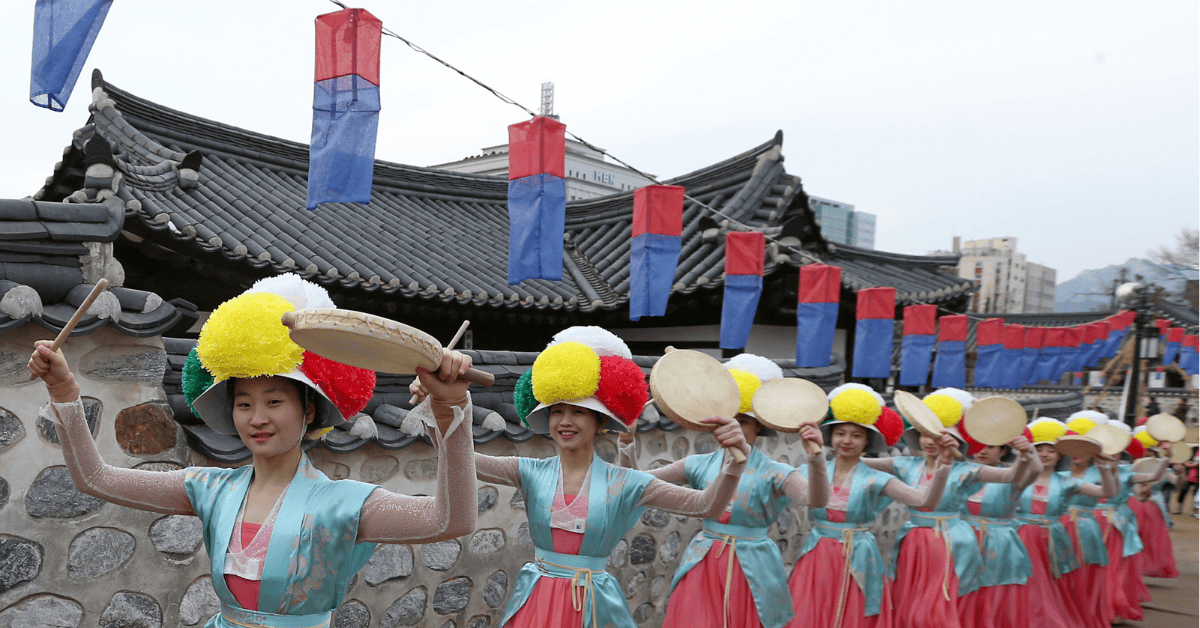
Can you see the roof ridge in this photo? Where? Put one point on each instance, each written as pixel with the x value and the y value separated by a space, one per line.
pixel 607 295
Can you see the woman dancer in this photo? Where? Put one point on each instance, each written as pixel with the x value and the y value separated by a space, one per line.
pixel 1085 588
pixel 1119 528
pixel 938 558
pixel 284 541
pixel 1158 554
pixel 580 506
pixel 840 578
pixel 710 588
pixel 1001 601
pixel 1045 538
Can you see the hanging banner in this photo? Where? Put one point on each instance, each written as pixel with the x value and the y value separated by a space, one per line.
pixel 817 299
pixel 1098 340
pixel 1049 366
pixel 341 155
pixel 744 254
pixel 1034 337
pixel 950 364
pixel 1174 342
pixel 1121 322
pixel 63 34
pixel 1189 361
pixel 874 329
pixel 916 347
pixel 537 199
pixel 1014 349
pixel 1072 356
pixel 989 347
pixel 654 250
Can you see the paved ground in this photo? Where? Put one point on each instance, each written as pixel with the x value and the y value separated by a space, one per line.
pixel 1175 600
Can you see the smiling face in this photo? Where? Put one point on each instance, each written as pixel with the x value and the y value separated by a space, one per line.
pixel 929 445
pixel 849 440
pixel 1048 455
pixel 573 428
pixel 269 415
pixel 990 455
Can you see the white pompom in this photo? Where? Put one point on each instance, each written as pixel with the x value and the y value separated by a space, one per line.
pixel 762 368
pixel 1124 428
pixel 1099 418
pixel 837 391
pixel 301 294
pixel 964 398
pixel 602 341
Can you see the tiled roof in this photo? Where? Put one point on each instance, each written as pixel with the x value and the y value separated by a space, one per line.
pixel 495 415
pixel 238 203
pixel 51 250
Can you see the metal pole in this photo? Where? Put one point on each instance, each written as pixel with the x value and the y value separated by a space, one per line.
pixel 1139 324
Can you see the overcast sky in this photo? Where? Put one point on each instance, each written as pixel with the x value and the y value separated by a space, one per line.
pixel 1071 125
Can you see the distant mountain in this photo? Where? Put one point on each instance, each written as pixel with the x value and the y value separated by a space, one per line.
pixel 1091 290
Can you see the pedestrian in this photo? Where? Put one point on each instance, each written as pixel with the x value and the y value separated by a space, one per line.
pixel 1191 478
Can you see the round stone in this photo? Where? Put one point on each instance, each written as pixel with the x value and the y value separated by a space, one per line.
pixel 131 610
pixel 20 561
pixel 177 535
pixel 643 613
pixel 140 364
pixel 523 537
pixel 487 541
pixel 669 550
pixel 658 586
pixel 440 556
pixel 3 492
pixel 518 501
pixel 352 614
pixel 606 450
pixel 389 562
pixel 98 551
pixel 408 610
pixel 784 522
pixel 42 610
pixel 379 469
pixel 620 552
pixel 479 621
pixel 655 518
pixel 706 443
pixel 452 595
pixel 641 550
pixel 679 447
pixel 656 444
pixel 495 589
pixel 146 429
pixel 91 413
pixel 11 429
pixel 635 585
pixel 487 498
pixel 418 470
pixel 199 603
pixel 333 470
pixel 52 494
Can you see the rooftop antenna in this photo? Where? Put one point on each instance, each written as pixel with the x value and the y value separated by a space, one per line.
pixel 548 100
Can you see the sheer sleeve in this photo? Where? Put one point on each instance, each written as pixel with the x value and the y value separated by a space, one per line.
pixel 1152 477
pixel 504 470
pixel 627 455
pixel 880 464
pixel 1109 484
pixel 706 504
pixel 389 517
pixel 1005 475
pixel 154 491
pixel 927 497
pixel 675 473
pixel 813 492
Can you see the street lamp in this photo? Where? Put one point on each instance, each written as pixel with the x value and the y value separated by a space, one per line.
pixel 1136 297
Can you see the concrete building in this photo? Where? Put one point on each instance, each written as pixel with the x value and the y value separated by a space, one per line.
pixel 840 224
pixel 1006 281
pixel 589 175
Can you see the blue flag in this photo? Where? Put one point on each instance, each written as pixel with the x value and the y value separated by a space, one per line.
pixel 63 34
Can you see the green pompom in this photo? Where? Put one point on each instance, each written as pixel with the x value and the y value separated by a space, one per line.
pixel 195 379
pixel 523 396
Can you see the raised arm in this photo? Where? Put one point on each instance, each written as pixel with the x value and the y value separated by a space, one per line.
pixel 1155 476
pixel 926 498
pixel 887 465
pixel 154 491
pixel 1109 483
pixel 814 492
pixel 1014 474
pixel 715 498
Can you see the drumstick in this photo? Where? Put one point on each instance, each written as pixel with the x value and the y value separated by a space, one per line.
pixel 75 318
pixel 458 335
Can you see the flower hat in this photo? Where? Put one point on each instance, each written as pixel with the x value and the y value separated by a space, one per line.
pixel 588 367
pixel 860 405
pixel 751 372
pixel 949 405
pixel 245 337
pixel 1047 431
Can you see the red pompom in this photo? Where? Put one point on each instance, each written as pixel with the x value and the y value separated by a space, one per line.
pixel 890 425
pixel 623 389
pixel 1136 449
pixel 1028 435
pixel 348 387
pixel 973 446
pixel 1142 421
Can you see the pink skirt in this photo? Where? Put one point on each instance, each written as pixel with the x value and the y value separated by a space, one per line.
pixel 815 584
pixel 1085 589
pixel 1002 606
pixel 549 604
pixel 926 589
pixel 1125 585
pixel 1047 608
pixel 1158 555
pixel 698 601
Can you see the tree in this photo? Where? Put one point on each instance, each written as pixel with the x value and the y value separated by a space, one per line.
pixel 1182 261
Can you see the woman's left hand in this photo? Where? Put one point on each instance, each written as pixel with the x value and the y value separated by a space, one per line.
pixel 948 446
pixel 445 385
pixel 729 433
pixel 812 433
pixel 1022 444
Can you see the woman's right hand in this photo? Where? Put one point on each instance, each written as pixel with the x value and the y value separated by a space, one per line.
pixel 52 367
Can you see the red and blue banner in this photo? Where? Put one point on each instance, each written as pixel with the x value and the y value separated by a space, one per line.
pixel 817 296
pixel 950 364
pixel 1097 339
pixel 1119 328
pixel 1051 364
pixel 654 250
pixel 1174 342
pixel 916 347
pixel 1014 349
pixel 989 351
pixel 1034 337
pixel 537 199
pixel 873 332
pixel 744 254
pixel 1189 361
pixel 341 155
pixel 63 34
pixel 1073 356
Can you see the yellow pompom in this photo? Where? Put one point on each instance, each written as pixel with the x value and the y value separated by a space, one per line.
pixel 748 384
pixel 857 406
pixel 245 338
pixel 1081 425
pixel 948 410
pixel 318 434
pixel 566 372
pixel 1046 431
pixel 1146 438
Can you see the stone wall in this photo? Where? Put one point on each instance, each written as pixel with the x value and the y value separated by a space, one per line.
pixel 69 560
